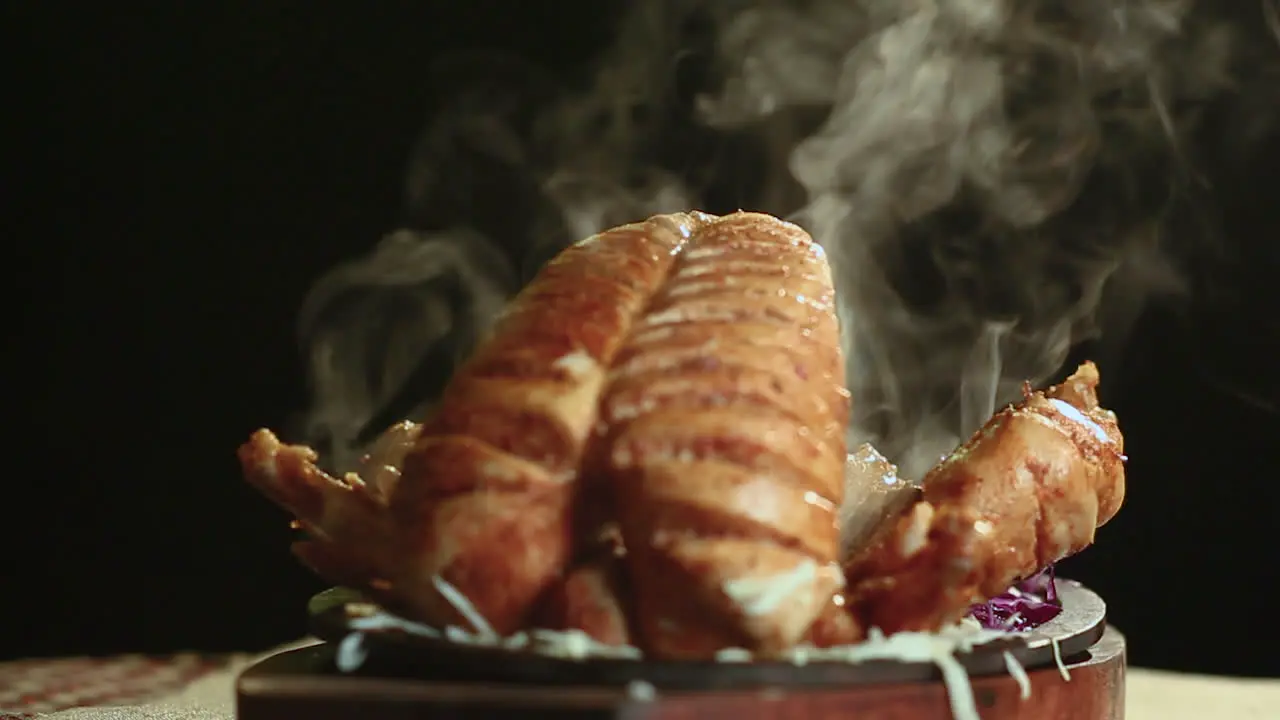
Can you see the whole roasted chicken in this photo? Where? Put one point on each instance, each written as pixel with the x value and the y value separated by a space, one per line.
pixel 650 447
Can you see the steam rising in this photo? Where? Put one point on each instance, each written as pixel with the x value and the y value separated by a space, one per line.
pixel 369 324
pixel 989 178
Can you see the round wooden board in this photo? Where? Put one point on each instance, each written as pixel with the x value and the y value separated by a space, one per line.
pixel 301 683
pixel 392 653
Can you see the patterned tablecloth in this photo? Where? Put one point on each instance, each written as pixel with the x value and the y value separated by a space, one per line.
pixel 30 688
pixel 197 687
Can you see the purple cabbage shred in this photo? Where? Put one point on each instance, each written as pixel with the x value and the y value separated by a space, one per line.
pixel 1030 603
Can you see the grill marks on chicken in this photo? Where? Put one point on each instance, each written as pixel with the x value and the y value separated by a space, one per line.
pixel 1027 490
pixel 650 447
pixel 703 352
pixel 678 380
pixel 726 443
pixel 489 490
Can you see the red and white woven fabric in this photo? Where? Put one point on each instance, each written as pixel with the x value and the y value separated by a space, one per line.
pixel 32 687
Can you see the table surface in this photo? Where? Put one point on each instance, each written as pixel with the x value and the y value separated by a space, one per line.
pixel 198 687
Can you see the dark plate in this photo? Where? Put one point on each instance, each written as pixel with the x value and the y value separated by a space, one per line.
pixel 394 653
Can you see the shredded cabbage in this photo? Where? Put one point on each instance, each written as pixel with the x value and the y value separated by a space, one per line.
pixel 1030 603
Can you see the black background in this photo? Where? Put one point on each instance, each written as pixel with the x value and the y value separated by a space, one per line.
pixel 190 171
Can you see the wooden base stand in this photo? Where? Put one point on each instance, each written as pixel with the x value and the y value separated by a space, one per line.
pixel 302 683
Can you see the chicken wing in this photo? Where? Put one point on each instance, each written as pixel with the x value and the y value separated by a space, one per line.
pixel 346 519
pixel 1030 488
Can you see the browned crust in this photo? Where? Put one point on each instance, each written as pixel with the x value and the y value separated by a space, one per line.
pixel 680 382
pixel 487 498
pixel 1027 490
pixel 726 443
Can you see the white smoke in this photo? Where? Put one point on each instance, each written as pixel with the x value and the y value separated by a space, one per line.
pixel 369 324
pixel 983 173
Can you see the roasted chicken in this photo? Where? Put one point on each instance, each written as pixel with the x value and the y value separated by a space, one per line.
pixel 650 448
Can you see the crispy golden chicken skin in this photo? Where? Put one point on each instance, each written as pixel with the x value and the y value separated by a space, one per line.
pixel 673 392
pixel 680 378
pixel 346 519
pixel 1030 488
